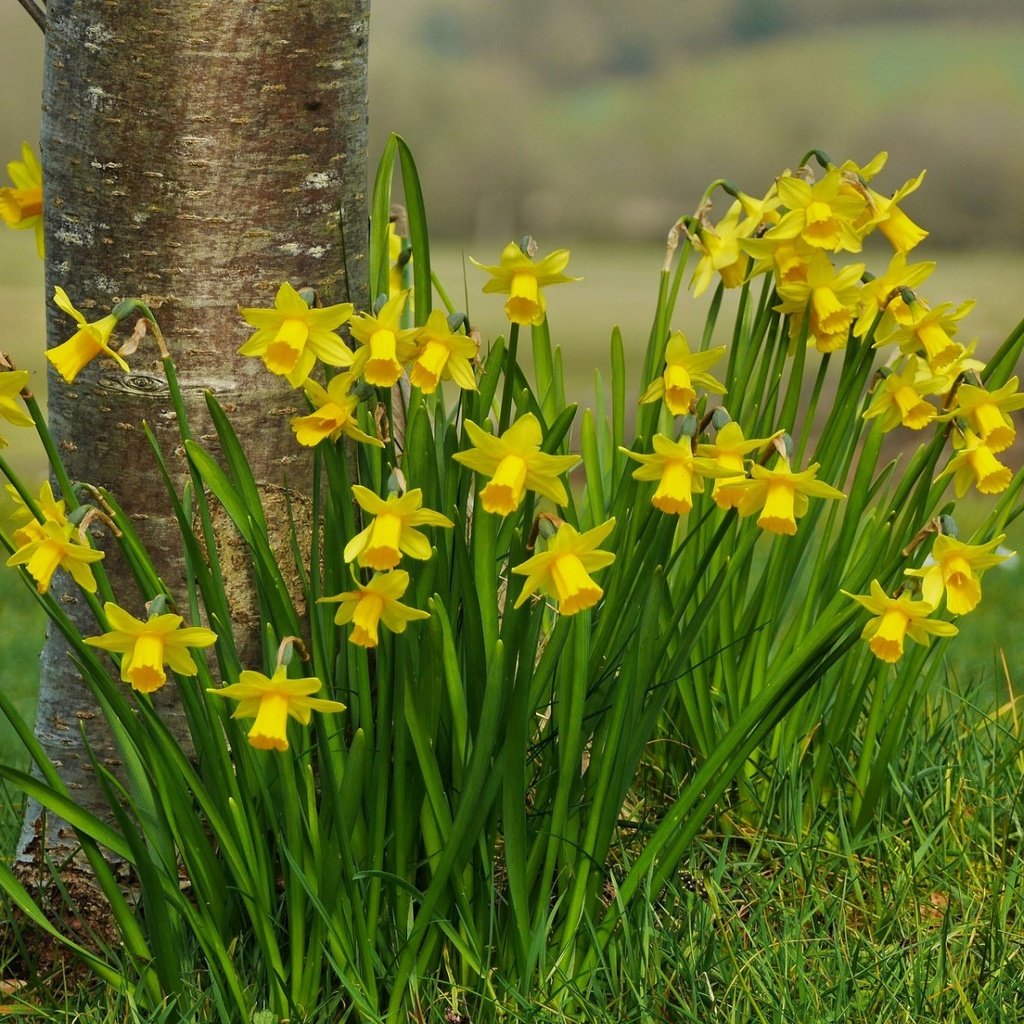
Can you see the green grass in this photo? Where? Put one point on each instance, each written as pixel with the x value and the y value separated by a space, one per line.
pixel 22 625
pixel 918 920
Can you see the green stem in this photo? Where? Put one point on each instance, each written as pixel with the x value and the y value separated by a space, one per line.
pixel 508 373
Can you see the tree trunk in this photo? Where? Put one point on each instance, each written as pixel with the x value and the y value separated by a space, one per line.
pixel 195 154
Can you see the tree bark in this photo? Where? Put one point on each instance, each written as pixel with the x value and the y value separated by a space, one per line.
pixel 196 153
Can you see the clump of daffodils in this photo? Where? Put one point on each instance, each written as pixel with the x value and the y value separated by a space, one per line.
pixel 350 367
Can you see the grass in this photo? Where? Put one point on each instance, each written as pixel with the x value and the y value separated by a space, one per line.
pixel 917 920
pixel 23 627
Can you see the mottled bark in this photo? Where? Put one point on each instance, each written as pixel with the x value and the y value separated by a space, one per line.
pixel 196 153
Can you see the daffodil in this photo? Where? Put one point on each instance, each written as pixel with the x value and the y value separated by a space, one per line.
pixel 522 279
pixel 392 531
pixel 720 252
pixel 12 383
pixel 895 619
pixel 385 347
pixel 831 298
pixel 678 471
pixel 951 571
pixel 515 464
pixel 787 259
pixel 988 412
pixel 21 207
pixel 55 546
pixel 563 570
pixel 976 464
pixel 148 646
pixel 441 354
pixel 396 265
pixel 335 413
pixel 957 370
pixel 781 496
pixel 291 337
pixel 929 331
pixel 89 341
pixel 821 214
pixel 884 213
pixel 272 701
pixel 684 370
pixel 375 603
pixel 50 508
pixel 899 399
pixel 884 294
pixel 728 452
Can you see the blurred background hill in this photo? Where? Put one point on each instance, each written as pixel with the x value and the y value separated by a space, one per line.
pixel 596 119
pixel 592 119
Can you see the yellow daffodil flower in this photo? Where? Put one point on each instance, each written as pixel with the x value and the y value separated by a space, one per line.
pixel 976 464
pixel 396 274
pixel 385 347
pixel 12 382
pixel 51 509
pixel 148 646
pixel 821 214
pixel 883 294
pixel 391 533
pixel 679 473
pixel 764 212
pixel 884 213
pixel 929 331
pixel 899 398
pixel 522 279
pixel 21 207
pixel 374 603
pixel 956 371
pixel 291 337
pixel 335 413
pixel 442 354
pixel 720 252
pixel 987 412
pixel 781 496
pixel 563 570
pixel 272 701
pixel 683 370
pixel 831 296
pixel 951 571
pixel 895 619
pixel 728 452
pixel 55 546
pixel 515 464
pixel 787 259
pixel 89 341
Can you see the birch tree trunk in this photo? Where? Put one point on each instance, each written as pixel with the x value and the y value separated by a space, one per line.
pixel 196 153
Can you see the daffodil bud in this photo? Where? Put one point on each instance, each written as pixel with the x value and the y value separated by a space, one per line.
pixel 547 526
pixel 947 526
pixel 124 309
pixel 689 425
pixel 720 417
